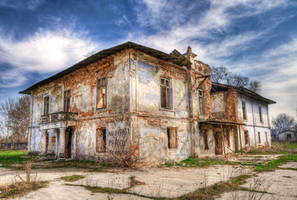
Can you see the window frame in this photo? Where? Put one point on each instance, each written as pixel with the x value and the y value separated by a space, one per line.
pixel 201 101
pixel 172 132
pixel 259 138
pixel 243 107
pixel 260 113
pixel 46 105
pixel 67 94
pixel 99 86
pixel 104 139
pixel 168 93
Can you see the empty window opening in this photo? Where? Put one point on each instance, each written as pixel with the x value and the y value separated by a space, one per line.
pixel 205 137
pixel 101 93
pixel 289 137
pixel 246 138
pixel 259 137
pixel 260 114
pixel 172 137
pixel 101 140
pixel 244 110
pixel 201 102
pixel 67 97
pixel 165 93
pixel 46 105
pixel 266 135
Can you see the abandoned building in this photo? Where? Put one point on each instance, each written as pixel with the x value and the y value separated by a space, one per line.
pixel 164 104
pixel 287 136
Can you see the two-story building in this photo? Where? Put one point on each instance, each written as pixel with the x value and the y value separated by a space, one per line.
pixel 250 111
pixel 161 103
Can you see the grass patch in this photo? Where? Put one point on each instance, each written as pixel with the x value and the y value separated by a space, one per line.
pixel 20 189
pixel 271 165
pixel 204 162
pixel 216 189
pixel 9 157
pixel 197 162
pixel 290 146
pixel 72 178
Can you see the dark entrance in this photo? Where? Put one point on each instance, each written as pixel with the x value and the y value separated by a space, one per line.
pixel 46 141
pixel 68 142
pixel 218 143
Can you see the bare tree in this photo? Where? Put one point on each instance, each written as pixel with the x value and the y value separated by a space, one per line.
pixel 222 75
pixel 219 74
pixel 255 86
pixel 283 122
pixel 16 116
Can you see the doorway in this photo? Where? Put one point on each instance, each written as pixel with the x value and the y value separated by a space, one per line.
pixel 68 142
pixel 218 143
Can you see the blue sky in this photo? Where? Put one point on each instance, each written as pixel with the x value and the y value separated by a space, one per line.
pixel 256 38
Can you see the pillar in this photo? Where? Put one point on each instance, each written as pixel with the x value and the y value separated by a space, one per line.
pixel 56 131
pixel 62 142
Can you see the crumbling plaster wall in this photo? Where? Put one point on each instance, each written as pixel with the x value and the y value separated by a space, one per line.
pixel 82 84
pixel 149 121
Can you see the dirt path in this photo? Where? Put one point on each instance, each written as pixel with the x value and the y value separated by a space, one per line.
pixel 154 182
pixel 278 184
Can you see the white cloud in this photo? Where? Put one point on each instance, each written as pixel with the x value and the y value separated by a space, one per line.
pixel 280 64
pixel 43 52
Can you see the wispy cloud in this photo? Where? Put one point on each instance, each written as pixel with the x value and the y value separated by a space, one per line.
pixel 208 34
pixel 43 52
pixel 28 4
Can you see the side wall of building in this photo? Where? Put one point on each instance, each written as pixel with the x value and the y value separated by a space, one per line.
pixel 258 130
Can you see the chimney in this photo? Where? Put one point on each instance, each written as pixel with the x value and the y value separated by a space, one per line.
pixel 190 55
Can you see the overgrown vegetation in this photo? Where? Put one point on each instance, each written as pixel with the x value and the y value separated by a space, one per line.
pixel 271 165
pixel 72 178
pixel 20 188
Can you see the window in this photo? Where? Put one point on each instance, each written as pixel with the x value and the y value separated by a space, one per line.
pixel 260 114
pixel 246 138
pixel 259 137
pixel 101 93
pixel 244 110
pixel 205 137
pixel 67 96
pixel 46 105
pixel 201 102
pixel 172 137
pixel 165 93
pixel 266 135
pixel 101 140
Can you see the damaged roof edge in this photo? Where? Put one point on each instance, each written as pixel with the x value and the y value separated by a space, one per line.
pixel 101 55
pixel 241 90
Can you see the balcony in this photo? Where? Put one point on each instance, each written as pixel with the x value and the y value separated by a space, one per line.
pixel 58 118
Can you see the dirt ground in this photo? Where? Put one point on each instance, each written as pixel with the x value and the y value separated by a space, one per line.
pixel 274 185
pixel 160 182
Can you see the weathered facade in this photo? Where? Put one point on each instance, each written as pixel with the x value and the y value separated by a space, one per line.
pixel 161 103
pixel 248 109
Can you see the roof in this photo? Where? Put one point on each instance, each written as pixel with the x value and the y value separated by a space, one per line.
pixel 224 87
pixel 103 54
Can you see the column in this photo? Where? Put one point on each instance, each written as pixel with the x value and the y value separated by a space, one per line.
pixel 62 142
pixel 56 131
